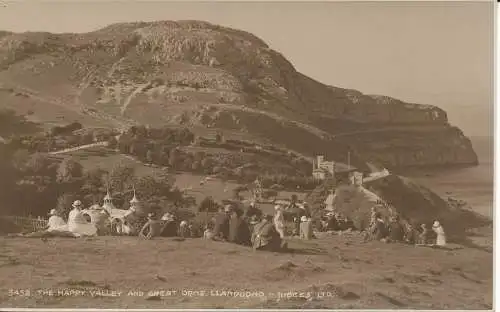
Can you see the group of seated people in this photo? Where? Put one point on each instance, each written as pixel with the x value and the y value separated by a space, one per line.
pixel 334 221
pixel 397 230
pixel 249 227
pixel 77 225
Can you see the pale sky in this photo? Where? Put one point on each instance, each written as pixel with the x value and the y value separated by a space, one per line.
pixel 437 53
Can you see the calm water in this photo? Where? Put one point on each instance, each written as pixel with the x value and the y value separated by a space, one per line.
pixel 474 185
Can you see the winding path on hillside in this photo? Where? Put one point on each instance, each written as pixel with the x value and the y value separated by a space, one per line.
pixel 78 148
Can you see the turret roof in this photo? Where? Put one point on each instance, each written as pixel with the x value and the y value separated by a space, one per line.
pixel 108 196
pixel 134 199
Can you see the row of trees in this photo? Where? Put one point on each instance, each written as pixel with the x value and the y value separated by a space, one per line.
pixel 162 136
pixel 32 184
pixel 163 147
pixel 241 168
pixel 61 139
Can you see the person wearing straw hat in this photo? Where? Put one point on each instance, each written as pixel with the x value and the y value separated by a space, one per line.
pixel 441 236
pixel 77 223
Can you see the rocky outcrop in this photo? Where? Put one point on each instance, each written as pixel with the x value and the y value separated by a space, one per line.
pixel 420 205
pixel 395 194
pixel 199 74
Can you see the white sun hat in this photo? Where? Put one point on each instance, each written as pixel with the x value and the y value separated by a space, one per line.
pixel 77 203
pixel 52 212
pixel 436 224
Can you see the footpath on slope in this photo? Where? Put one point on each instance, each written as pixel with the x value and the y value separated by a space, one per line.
pixel 81 147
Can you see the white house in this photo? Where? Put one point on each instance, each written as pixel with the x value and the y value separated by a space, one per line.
pixel 323 169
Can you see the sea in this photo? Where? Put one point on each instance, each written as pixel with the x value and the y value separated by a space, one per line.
pixel 473 185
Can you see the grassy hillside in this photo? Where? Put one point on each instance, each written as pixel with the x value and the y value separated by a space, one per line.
pixel 193 73
pixel 344 272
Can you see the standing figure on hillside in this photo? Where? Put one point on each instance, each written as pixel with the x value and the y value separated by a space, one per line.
pixel 279 221
pixel 441 236
pixel 77 223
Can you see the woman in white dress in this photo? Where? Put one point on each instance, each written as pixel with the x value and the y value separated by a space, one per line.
pixel 279 221
pixel 77 223
pixel 441 236
pixel 56 223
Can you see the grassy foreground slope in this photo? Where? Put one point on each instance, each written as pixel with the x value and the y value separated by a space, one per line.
pixel 352 274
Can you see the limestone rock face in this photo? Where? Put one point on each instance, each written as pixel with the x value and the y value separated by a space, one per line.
pixel 207 76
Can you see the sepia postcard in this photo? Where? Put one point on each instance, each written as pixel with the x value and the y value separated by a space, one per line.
pixel 246 155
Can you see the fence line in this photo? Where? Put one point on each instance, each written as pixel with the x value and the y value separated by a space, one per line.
pixel 26 223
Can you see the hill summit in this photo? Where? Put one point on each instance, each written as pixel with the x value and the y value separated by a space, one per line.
pixel 205 76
